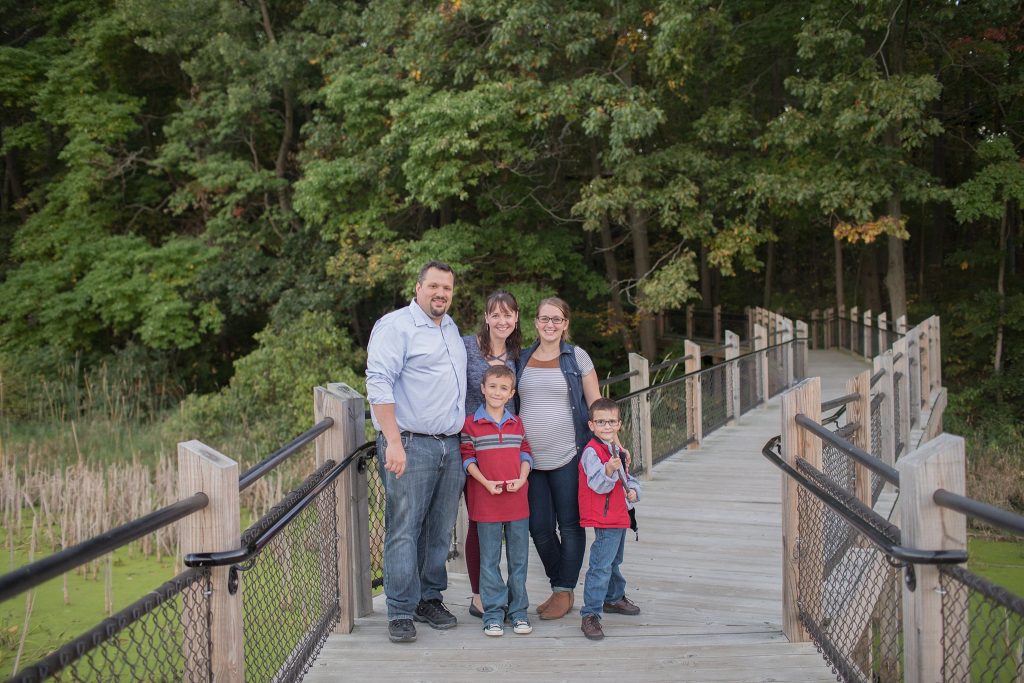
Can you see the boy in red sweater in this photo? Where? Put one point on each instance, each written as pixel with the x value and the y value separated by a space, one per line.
pixel 497 460
pixel 606 493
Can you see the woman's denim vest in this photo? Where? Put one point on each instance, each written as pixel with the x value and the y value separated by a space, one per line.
pixel 574 379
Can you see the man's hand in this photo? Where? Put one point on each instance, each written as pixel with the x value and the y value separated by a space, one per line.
pixel 394 457
pixel 612 465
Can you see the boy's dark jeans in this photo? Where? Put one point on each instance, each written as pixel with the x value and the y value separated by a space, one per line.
pixel 604 582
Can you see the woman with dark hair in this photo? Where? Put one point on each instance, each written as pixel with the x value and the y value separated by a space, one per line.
pixel 497 342
pixel 556 384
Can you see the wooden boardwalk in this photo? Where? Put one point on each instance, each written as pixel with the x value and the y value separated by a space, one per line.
pixel 706 573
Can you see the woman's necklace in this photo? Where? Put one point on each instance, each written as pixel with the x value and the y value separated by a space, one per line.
pixel 501 356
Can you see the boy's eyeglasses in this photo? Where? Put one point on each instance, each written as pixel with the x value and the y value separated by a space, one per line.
pixel 607 423
pixel 544 320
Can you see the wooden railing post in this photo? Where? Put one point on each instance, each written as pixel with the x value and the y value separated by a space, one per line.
pixel 749 313
pixel 216 527
pixel 901 374
pixel 924 363
pixel 935 344
pixel 901 325
pixel 829 318
pixel 732 369
pixel 716 314
pixel 694 408
pixel 869 334
pixel 854 325
pixel 883 333
pixel 689 321
pixel 639 381
pixel 800 364
pixel 814 328
pixel 842 327
pixel 789 336
pixel 883 362
pixel 937 464
pixel 760 344
pixel 346 407
pixel 859 411
pixel 804 398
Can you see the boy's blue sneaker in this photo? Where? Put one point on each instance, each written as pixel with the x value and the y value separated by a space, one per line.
pixel 521 625
pixel 494 629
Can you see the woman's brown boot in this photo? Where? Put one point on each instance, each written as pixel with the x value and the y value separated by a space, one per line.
pixel 561 603
pixel 544 605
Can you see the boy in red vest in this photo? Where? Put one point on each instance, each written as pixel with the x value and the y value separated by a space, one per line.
pixel 497 460
pixel 606 493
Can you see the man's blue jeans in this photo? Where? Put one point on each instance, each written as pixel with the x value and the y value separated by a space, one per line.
pixel 494 594
pixel 553 500
pixel 604 582
pixel 418 520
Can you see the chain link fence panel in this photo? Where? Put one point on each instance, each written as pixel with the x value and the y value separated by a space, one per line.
pixel 163 636
pixel 848 593
pixel 750 382
pixel 983 628
pixel 290 588
pixel 715 397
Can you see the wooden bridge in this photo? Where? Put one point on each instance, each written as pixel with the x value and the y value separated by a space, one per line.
pixel 706 572
pixel 746 554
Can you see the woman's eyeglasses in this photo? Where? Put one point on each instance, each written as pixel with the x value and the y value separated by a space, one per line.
pixel 607 423
pixel 544 320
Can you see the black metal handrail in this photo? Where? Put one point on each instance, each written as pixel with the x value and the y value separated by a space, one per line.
pixel 618 378
pixel 681 378
pixel 671 361
pixel 839 401
pixel 31 575
pixel 900 552
pixel 246 552
pixel 254 473
pixel 997 517
pixel 887 472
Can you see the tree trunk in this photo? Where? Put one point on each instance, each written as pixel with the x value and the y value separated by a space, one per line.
pixel 837 250
pixel 895 276
pixel 288 133
pixel 611 266
pixel 642 264
pixel 705 278
pixel 769 267
pixel 997 357
pixel 870 281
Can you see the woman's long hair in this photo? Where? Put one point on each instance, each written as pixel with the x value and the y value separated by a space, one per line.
pixel 514 342
pixel 562 306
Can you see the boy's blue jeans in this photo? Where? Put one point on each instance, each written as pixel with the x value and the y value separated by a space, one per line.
pixel 604 582
pixel 418 519
pixel 495 595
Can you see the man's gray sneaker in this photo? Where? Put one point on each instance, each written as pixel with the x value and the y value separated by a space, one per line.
pixel 434 613
pixel 401 631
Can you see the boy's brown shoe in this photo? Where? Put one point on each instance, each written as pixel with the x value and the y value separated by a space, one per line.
pixel 591 627
pixel 559 606
pixel 622 606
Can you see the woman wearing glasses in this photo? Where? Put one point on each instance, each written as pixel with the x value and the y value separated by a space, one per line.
pixel 556 384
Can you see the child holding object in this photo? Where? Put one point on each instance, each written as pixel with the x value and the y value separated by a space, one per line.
pixel 497 460
pixel 606 494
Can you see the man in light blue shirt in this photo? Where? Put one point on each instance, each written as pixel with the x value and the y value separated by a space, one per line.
pixel 416 385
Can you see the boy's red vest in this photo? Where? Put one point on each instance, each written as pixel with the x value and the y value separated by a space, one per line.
pixel 602 510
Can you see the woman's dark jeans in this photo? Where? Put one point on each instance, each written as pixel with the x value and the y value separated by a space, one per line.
pixel 554 502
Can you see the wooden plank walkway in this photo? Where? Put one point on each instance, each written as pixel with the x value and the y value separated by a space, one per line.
pixel 706 573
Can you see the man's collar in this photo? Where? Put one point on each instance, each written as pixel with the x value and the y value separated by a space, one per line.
pixel 420 317
pixel 482 414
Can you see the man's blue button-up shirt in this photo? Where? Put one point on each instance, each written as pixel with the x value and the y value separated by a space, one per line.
pixel 419 367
